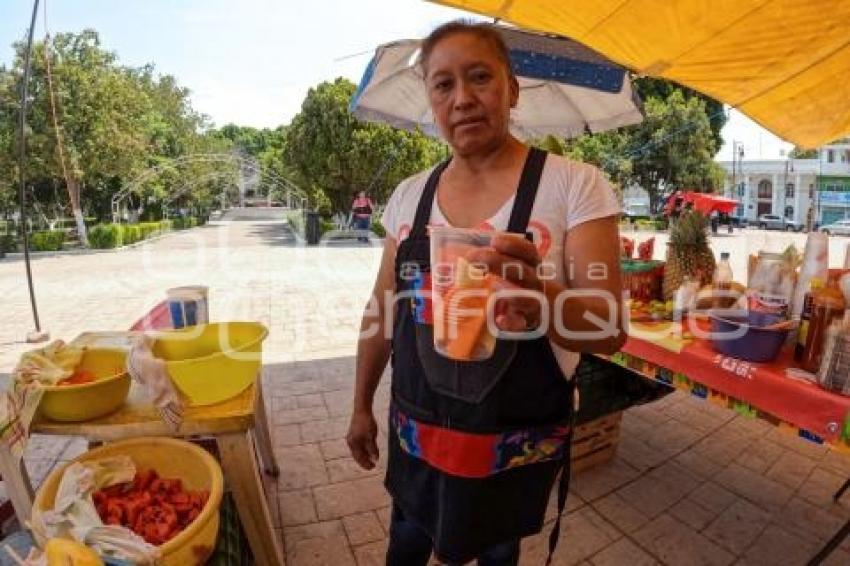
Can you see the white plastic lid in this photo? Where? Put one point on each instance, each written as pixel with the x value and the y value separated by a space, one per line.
pixel 190 292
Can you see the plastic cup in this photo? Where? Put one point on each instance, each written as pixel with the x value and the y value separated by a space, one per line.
pixel 460 294
pixel 188 305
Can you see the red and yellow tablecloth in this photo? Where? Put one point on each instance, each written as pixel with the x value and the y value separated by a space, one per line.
pixel 764 390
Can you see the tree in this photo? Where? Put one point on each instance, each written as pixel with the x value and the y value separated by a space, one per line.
pixel 251 140
pixel 276 179
pixel 265 147
pixel 333 156
pixel 650 87
pixel 800 153
pixel 121 128
pixel 606 150
pixel 8 164
pixel 673 148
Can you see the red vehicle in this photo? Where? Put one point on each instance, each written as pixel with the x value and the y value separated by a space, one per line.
pixel 715 207
pixel 701 202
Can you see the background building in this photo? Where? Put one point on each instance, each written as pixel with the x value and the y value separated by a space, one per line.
pixel 793 188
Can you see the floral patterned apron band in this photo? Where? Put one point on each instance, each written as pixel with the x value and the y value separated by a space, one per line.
pixel 474 455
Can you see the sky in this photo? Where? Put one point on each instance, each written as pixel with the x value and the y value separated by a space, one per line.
pixel 251 62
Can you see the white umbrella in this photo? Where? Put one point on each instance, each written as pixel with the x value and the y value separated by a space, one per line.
pixel 566 89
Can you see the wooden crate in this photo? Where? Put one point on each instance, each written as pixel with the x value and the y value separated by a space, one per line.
pixel 595 442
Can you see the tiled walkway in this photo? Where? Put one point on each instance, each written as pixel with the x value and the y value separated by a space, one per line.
pixel 692 484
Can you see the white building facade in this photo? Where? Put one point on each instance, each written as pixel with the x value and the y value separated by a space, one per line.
pixel 793 188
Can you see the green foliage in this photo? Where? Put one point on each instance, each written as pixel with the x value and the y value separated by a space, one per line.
pixel 149 229
pixel 673 148
pixel 275 171
pixel 659 224
pixel 608 151
pixel 184 223
pixel 118 123
pixel 131 233
pixel 47 241
pixel 295 218
pixel 70 223
pixel 800 153
pixel 333 156
pixel 8 243
pixel 106 236
pixel 650 87
pixel 250 140
pixel 379 229
pixel 121 124
pixel 326 225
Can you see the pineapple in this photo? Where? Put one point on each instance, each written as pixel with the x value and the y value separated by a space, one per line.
pixel 688 253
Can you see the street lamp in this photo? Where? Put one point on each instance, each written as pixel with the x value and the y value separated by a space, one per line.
pixel 737 154
pixel 789 163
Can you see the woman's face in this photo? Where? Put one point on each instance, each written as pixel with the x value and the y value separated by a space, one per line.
pixel 471 93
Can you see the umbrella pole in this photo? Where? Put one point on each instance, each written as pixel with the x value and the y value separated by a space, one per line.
pixel 38 335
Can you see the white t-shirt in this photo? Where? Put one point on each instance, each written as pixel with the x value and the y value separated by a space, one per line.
pixel 570 193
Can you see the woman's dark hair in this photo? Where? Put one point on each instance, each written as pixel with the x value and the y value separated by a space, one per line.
pixel 484 31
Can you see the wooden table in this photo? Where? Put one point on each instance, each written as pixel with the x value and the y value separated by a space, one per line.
pixel 236 425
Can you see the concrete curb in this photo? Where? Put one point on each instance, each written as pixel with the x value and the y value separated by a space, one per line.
pixel 92 251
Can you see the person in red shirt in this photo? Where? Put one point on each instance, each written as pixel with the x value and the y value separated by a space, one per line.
pixel 361 215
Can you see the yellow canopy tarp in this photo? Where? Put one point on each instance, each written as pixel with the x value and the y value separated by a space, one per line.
pixel 784 63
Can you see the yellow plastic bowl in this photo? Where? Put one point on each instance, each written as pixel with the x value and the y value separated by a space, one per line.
pixel 75 403
pixel 171 459
pixel 213 362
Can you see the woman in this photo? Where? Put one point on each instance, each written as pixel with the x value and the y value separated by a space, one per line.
pixel 361 215
pixel 471 467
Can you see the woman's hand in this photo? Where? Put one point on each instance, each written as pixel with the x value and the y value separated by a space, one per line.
pixel 514 259
pixel 361 439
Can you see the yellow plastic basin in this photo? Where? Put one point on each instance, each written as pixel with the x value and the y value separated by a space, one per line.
pixel 75 403
pixel 170 458
pixel 214 362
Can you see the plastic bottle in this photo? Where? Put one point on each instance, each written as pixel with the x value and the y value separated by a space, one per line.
pixel 827 305
pixel 805 317
pixel 815 264
pixel 834 371
pixel 722 282
pixel 684 299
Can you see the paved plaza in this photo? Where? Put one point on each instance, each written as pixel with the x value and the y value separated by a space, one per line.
pixel 692 484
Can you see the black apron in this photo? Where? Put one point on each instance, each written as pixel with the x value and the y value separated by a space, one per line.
pixel 464 515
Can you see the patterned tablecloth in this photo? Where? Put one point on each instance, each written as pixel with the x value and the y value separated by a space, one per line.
pixel 774 391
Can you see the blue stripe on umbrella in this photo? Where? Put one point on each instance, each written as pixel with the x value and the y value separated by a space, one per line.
pixel 364 82
pixel 547 67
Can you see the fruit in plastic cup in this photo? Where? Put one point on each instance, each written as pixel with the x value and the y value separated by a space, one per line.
pixel 460 294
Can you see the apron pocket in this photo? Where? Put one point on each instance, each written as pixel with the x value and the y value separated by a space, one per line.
pixel 466 381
